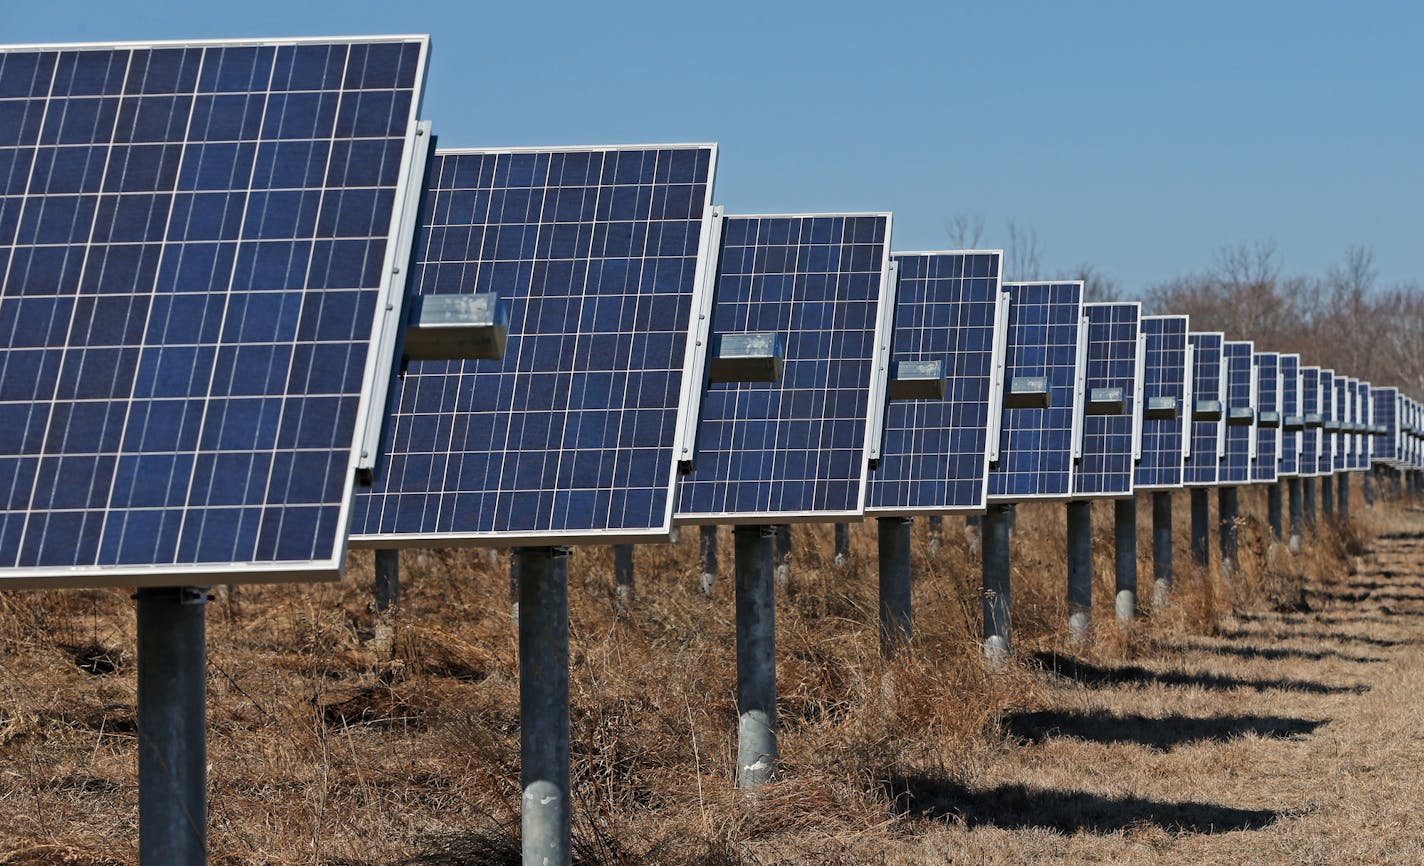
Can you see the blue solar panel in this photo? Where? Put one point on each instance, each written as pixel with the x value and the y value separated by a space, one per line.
pixel 1364 450
pixel 1290 415
pixel 1037 445
pixel 1208 435
pixel 598 252
pixel 1344 415
pixel 1266 464
pixel 1110 441
pixel 935 453
pixel 1240 380
pixel 1312 436
pixel 799 448
pixel 196 243
pixel 1385 406
pixel 1164 378
pixel 1329 442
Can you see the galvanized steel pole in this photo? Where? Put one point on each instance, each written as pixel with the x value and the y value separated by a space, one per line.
pixel 895 583
pixel 1342 497
pixel 1226 514
pixel 756 654
pixel 387 585
pixel 623 574
pixel 1273 508
pixel 1308 500
pixel 995 582
pixel 783 554
pixel 1125 557
pixel 707 544
pixel 842 533
pixel 172 726
pixel 1327 496
pixel 1201 543
pixel 544 704
pixel 1296 517
pixel 1161 548
pixel 935 526
pixel 1080 569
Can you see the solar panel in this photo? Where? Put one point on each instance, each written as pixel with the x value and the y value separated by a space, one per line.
pixel 1266 463
pixel 1291 415
pixel 1364 447
pixel 1344 416
pixel 1312 436
pixel 1240 380
pixel 1110 442
pixel 1046 355
pixel 600 254
pixel 1329 440
pixel 935 451
pixel 197 241
pixel 1167 400
pixel 796 449
pixel 1385 406
pixel 1208 409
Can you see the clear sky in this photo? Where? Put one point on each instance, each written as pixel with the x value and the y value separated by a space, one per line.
pixel 1137 136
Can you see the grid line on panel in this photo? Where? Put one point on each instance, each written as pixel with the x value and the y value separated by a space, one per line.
pixel 595 251
pixel 1035 444
pixel 1290 408
pixel 1203 465
pixel 1106 466
pixel 1268 399
pixel 1164 376
pixel 1328 409
pixel 796 447
pixel 192 241
pixel 1236 360
pixel 934 453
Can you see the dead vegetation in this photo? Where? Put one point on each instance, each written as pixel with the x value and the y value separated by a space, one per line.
pixel 326 747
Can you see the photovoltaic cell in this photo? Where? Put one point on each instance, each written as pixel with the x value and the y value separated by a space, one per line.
pixel 1165 377
pixel 1329 408
pixel 1266 464
pixel 1036 445
pixel 1290 415
pixel 796 449
pixel 571 437
pixel 1311 437
pixel 1208 435
pixel 935 452
pixel 196 242
pixel 1114 362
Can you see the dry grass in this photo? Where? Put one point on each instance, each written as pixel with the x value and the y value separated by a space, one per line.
pixel 1268 718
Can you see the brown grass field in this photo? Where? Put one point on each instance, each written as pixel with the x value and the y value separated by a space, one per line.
pixel 1272 718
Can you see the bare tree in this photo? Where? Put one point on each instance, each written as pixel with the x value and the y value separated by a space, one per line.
pixel 965 230
pixel 1097 286
pixel 1022 253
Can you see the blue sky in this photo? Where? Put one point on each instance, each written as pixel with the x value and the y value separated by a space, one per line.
pixel 1135 136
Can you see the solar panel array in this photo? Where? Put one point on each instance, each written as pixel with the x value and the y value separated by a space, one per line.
pixel 1344 415
pixel 1328 409
pixel 597 253
pixel 1036 445
pixel 797 449
pixel 1266 463
pixel 935 452
pixel 1208 436
pixel 1110 441
pixel 196 241
pixel 1290 415
pixel 1166 376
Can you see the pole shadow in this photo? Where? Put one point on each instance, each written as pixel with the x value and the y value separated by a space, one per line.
pixel 1162 734
pixel 1089 674
pixel 1019 807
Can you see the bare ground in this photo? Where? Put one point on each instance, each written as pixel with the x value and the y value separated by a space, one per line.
pixel 1271 718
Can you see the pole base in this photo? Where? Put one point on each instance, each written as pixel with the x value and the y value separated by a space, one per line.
pixel 1126 606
